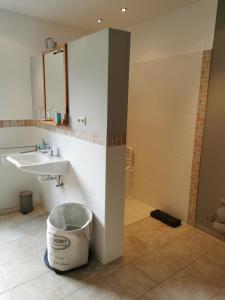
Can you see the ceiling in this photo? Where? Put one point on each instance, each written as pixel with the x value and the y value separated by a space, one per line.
pixel 83 13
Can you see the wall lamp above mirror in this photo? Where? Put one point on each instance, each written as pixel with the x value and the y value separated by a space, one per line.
pixel 55 86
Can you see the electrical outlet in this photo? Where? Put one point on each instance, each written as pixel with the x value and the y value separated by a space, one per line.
pixel 81 121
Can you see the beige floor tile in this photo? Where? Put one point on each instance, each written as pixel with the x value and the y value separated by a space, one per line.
pixel 199 281
pixel 3 212
pixel 3 286
pixel 43 287
pixel 142 225
pixel 35 242
pixel 129 219
pixel 135 247
pixel 75 280
pixel 9 230
pixel 200 242
pixel 104 270
pixel 157 293
pixel 156 237
pixel 208 268
pixel 12 252
pixel 217 255
pixel 219 296
pixel 135 210
pixel 156 266
pixel 36 224
pixel 129 282
pixel 188 247
pixel 5 221
pixel 178 231
pixel 41 254
pixel 99 290
pixel 19 218
pixel 21 271
pixel 23 243
pixel 5 296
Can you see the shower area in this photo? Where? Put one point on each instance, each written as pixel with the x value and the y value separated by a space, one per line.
pixel 166 90
pixel 210 209
pixel 135 210
pixel 162 108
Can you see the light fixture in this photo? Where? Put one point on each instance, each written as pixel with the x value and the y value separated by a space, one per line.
pixel 99 20
pixel 123 9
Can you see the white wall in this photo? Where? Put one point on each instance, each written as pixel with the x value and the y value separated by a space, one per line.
pixel 88 81
pixel 88 89
pixel 165 72
pixel 96 176
pixel 20 38
pixel 85 182
pixel 190 29
pixel 12 180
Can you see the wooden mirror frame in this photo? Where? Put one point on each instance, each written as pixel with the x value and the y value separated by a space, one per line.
pixel 65 118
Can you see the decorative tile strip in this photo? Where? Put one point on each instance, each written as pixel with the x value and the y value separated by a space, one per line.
pixel 202 101
pixel 74 132
pixel 82 134
pixel 16 123
pixel 116 140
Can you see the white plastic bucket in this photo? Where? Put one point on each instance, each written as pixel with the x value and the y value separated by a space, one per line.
pixel 69 228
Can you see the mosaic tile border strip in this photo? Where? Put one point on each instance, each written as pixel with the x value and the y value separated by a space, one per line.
pixel 92 137
pixel 16 123
pixel 79 133
pixel 202 101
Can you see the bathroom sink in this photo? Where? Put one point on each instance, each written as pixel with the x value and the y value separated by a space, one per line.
pixel 39 163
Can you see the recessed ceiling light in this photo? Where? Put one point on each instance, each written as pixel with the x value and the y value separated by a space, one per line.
pixel 99 20
pixel 124 9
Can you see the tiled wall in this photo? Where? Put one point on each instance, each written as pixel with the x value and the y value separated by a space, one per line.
pixel 162 111
pixel 15 123
pixel 92 137
pixel 161 128
pixel 203 92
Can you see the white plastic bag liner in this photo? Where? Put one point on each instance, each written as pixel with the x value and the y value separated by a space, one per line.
pixel 69 229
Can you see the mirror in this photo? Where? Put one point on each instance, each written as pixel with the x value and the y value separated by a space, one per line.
pixel 55 85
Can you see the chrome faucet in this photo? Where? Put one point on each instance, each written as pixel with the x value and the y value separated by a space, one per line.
pixel 45 147
pixel 50 151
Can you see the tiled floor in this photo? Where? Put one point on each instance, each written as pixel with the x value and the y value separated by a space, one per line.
pixel 159 263
pixel 135 210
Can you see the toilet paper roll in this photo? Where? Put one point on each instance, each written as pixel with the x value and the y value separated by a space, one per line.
pixel 219 227
pixel 221 214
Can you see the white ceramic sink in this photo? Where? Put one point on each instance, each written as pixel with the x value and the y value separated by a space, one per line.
pixel 39 163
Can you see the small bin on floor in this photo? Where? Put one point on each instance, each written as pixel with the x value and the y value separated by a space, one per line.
pixel 26 202
pixel 69 228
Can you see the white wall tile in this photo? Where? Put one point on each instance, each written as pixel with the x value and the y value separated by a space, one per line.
pixel 161 126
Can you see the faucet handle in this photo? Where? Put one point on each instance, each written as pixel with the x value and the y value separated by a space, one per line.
pixel 53 151
pixel 43 141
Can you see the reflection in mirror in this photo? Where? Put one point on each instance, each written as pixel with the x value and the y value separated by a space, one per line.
pixel 55 85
